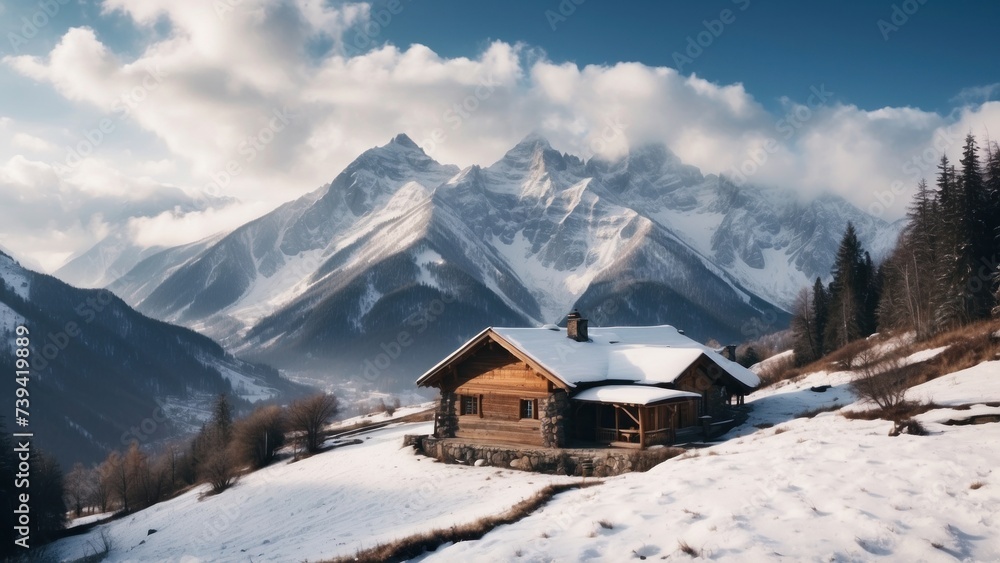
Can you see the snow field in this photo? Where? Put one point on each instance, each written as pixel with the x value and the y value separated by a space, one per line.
pixel 798 489
pixel 823 489
pixel 782 487
pixel 329 505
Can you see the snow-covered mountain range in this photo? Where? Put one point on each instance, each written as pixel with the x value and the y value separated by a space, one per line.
pixel 401 255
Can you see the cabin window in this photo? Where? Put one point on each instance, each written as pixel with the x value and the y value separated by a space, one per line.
pixel 470 404
pixel 529 408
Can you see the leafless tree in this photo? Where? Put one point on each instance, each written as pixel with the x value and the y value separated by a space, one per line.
pixel 119 480
pixel 103 485
pixel 258 436
pixel 78 484
pixel 308 416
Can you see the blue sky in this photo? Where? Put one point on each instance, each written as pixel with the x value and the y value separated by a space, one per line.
pixel 775 48
pixel 148 118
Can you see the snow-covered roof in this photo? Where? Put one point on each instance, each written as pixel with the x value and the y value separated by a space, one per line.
pixel 646 354
pixel 631 394
pixel 651 364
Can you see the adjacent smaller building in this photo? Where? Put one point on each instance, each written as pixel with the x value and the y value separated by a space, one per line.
pixel 618 386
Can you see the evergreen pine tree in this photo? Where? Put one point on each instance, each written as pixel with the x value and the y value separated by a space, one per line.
pixel 846 321
pixel 977 231
pixel 951 277
pixel 910 273
pixel 804 344
pixel 851 309
pixel 222 419
pixel 821 313
pixel 869 286
pixel 48 496
pixel 991 183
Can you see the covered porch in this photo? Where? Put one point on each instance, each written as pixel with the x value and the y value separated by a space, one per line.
pixel 633 416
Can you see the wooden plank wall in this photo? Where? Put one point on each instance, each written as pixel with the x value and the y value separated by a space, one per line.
pixel 503 381
pixel 496 371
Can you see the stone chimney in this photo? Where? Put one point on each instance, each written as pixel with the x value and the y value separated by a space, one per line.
pixel 729 352
pixel 576 327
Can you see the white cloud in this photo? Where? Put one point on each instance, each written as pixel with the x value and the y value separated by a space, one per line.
pixel 171 228
pixel 50 217
pixel 245 90
pixel 31 143
pixel 978 94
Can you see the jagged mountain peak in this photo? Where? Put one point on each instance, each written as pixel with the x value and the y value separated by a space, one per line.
pixel 533 139
pixel 647 162
pixel 404 140
pixel 535 150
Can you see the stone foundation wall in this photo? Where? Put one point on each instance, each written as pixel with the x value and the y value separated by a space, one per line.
pixel 602 462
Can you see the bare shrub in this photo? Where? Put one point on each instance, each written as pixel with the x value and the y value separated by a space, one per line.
pixel 777 369
pixel 219 470
pixel 390 408
pixel 686 548
pixel 258 436
pixel 100 548
pixel 976 485
pixel 308 416
pixel 879 381
pixel 850 355
pixel 607 525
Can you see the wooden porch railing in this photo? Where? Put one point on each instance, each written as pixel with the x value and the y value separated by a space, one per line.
pixel 653 437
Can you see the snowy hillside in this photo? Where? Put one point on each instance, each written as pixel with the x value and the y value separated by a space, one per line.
pixel 329 505
pixel 783 486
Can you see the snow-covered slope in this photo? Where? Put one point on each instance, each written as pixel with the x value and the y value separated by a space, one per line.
pixel 329 505
pixel 105 262
pixel 782 487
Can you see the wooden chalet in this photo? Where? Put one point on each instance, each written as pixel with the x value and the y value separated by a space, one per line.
pixel 619 386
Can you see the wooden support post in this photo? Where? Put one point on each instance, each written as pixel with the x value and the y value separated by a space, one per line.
pixel 673 424
pixel 642 428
